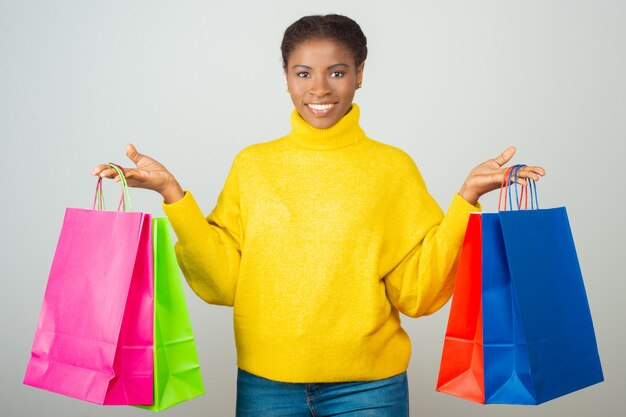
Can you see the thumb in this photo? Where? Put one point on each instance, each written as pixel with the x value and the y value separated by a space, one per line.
pixel 132 153
pixel 505 156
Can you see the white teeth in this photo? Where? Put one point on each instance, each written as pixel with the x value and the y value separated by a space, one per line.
pixel 321 106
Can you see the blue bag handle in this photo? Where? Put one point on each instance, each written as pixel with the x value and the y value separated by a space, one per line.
pixel 510 176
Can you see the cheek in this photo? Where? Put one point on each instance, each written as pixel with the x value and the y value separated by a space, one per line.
pixel 348 83
pixel 296 86
pixel 347 87
pixel 295 93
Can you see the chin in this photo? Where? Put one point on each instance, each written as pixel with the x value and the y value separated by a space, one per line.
pixel 322 124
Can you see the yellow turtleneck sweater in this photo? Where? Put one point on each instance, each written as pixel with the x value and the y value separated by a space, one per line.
pixel 319 239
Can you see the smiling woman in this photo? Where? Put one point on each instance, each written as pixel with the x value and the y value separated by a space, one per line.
pixel 320 239
pixel 323 60
pixel 322 78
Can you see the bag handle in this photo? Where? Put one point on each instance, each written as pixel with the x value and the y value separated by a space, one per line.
pixel 98 200
pixel 529 188
pixel 510 177
pixel 504 186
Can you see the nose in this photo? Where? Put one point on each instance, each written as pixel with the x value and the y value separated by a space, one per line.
pixel 320 87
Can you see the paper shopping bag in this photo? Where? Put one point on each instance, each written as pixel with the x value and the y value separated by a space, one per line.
pixel 554 311
pixel 508 379
pixel 177 376
pixel 94 336
pixel 461 371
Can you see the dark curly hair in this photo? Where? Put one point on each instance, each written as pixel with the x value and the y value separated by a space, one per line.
pixel 339 28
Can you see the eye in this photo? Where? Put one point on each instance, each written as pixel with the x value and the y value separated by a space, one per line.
pixel 303 74
pixel 337 74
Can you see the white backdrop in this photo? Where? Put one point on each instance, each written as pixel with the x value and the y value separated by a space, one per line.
pixel 191 82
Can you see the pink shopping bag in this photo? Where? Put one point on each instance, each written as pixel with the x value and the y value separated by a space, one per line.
pixel 94 339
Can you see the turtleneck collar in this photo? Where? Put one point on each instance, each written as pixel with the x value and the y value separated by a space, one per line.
pixel 345 132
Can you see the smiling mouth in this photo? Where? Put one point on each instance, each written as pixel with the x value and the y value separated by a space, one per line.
pixel 320 109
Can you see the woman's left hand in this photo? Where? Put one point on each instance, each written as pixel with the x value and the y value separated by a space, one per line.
pixel 488 176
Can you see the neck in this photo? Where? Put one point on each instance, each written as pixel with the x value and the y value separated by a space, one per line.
pixel 344 133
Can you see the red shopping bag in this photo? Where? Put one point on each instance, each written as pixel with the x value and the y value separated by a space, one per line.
pixel 94 338
pixel 462 371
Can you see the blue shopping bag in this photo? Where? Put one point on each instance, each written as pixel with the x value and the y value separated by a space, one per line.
pixel 538 335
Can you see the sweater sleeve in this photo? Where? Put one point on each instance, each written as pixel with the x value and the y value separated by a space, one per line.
pixel 422 278
pixel 209 249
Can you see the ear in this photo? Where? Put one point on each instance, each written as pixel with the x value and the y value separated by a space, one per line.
pixel 359 73
pixel 286 77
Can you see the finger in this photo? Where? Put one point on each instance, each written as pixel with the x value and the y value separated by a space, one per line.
pixel 108 173
pixel 505 156
pixel 535 176
pixel 132 153
pixel 532 172
pixel 134 177
pixel 537 170
pixel 97 170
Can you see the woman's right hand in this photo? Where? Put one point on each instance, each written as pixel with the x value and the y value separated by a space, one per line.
pixel 149 174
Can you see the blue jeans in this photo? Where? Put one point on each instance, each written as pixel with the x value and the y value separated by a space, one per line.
pixel 260 397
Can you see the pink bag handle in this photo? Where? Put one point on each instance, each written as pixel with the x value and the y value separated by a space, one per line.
pixel 98 200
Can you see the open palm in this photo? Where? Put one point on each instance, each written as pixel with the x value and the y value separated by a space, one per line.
pixel 488 176
pixel 149 173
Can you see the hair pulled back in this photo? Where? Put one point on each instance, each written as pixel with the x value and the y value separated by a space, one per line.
pixel 336 27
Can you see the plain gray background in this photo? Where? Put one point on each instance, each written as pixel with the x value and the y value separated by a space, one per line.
pixel 191 82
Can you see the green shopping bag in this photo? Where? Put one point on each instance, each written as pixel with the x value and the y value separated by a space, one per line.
pixel 177 376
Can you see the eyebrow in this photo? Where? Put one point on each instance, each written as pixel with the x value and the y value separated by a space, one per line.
pixel 330 67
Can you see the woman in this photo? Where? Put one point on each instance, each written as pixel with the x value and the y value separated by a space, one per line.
pixel 319 240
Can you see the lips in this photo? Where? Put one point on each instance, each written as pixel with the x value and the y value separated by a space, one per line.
pixel 320 109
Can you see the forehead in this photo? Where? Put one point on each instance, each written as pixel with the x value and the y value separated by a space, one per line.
pixel 321 52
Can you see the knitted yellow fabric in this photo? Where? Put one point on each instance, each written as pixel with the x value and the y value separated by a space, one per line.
pixel 319 239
